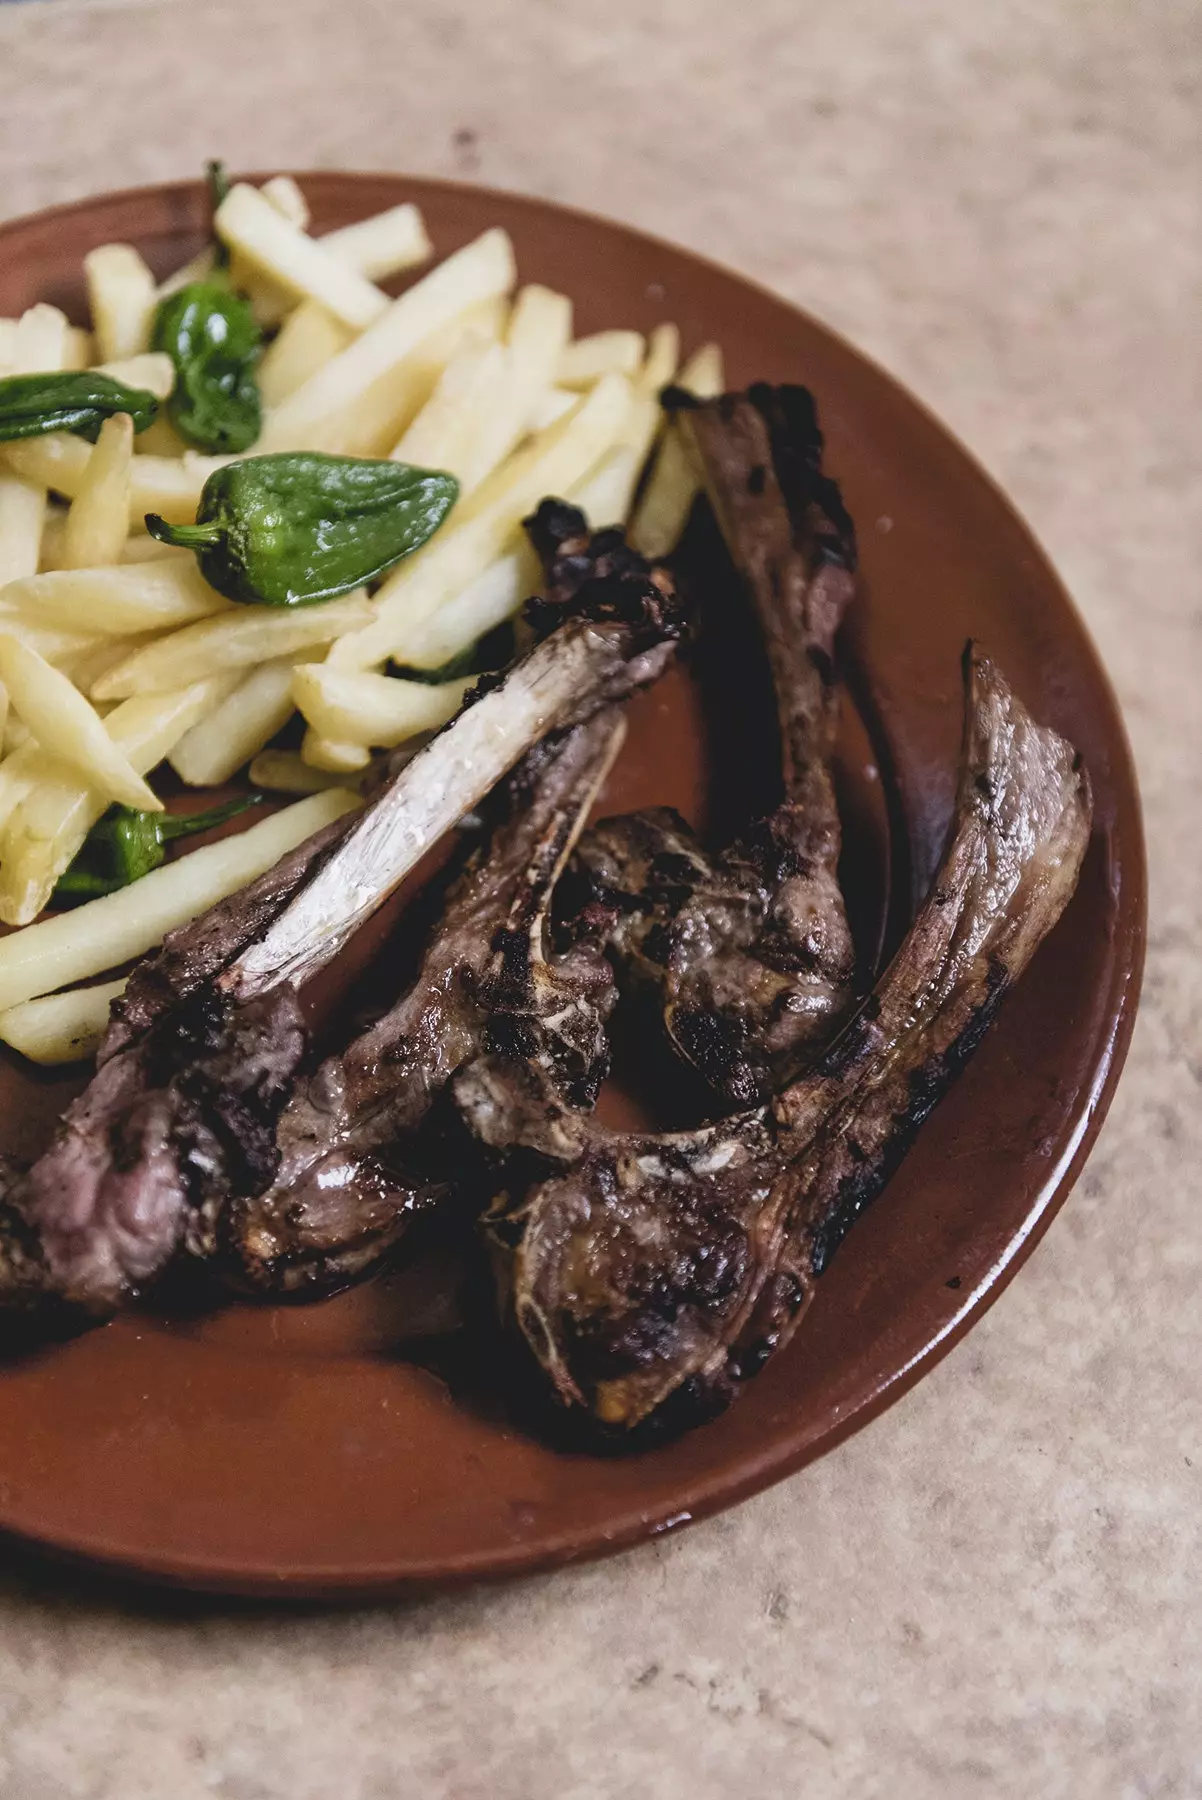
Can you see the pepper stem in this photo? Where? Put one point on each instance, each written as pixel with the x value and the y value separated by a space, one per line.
pixel 188 537
pixel 176 825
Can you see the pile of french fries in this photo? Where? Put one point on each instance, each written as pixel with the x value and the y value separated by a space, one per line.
pixel 116 655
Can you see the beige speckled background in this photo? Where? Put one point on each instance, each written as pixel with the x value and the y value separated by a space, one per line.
pixel 993 1593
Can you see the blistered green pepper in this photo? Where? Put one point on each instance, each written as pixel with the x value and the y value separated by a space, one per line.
pixel 291 529
pixel 78 401
pixel 126 844
pixel 213 339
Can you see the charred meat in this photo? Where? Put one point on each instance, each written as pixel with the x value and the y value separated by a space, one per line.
pixel 182 1114
pixel 749 950
pixel 346 1187
pixel 652 1275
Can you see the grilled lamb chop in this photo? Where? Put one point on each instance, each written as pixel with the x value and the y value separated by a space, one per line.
pixel 181 1115
pixel 750 950
pixel 346 1189
pixel 652 1275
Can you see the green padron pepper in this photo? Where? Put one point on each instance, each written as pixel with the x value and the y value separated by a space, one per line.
pixel 213 338
pixel 78 401
pixel 299 527
pixel 126 844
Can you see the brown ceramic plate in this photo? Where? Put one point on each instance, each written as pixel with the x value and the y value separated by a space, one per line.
pixel 301 1450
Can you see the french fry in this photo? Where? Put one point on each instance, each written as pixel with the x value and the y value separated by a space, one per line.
pixel 58 461
pixel 376 710
pixel 673 483
pixel 57 644
pixel 330 756
pixel 61 1028
pixel 153 370
pixel 320 414
pixel 386 244
pixel 79 350
pixel 583 362
pixel 101 934
pixel 553 404
pixel 663 354
pixel 270 301
pixel 171 486
pixel 288 200
pixel 98 522
pixel 480 532
pixel 446 431
pixel 309 337
pixel 287 772
pixel 39 344
pixel 121 291
pixel 605 495
pixel 494 596
pixel 237 638
pixel 159 595
pixel 539 328
pixel 232 733
pixel 47 822
pixel 76 353
pixel 66 727
pixel 250 224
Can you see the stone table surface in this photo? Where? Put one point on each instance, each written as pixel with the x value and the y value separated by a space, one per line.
pixel 993 1592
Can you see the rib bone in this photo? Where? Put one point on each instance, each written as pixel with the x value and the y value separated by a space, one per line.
pixel 652 1275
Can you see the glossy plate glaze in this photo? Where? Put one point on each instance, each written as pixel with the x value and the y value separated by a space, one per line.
pixel 313 1450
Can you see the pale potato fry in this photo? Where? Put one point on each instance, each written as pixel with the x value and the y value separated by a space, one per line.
pixel 318 415
pixel 376 710
pixel 391 404
pixel 121 291
pixel 232 733
pixel 54 536
pixel 673 483
pixel 494 596
pixel 250 224
pixel 287 772
pixel 41 341
pixel 101 934
pixel 540 326
pixel 58 461
pixel 8 338
pixel 79 349
pixel 161 594
pixel 386 244
pixel 583 362
pixel 237 638
pixel 480 532
pixel 604 496
pixel 309 337
pixel 52 813
pixel 171 486
pixel 3 711
pixel 66 727
pixel 153 371
pixel 445 431
pixel 59 645
pixel 61 1028
pixel 554 403
pixel 663 354
pixel 331 756
pixel 98 522
pixel 39 345
pixel 288 200
pixel 160 438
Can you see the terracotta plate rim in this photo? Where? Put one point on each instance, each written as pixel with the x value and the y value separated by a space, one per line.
pixel 780 1456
